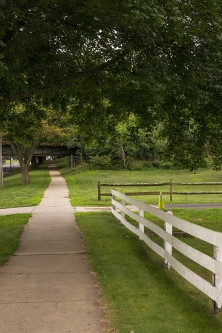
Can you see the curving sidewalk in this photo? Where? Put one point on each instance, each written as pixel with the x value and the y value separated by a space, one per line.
pixel 47 286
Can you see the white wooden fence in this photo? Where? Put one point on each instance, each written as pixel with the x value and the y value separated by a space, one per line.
pixel 214 290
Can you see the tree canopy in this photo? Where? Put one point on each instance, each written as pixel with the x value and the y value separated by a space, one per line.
pixel 103 59
pixel 28 125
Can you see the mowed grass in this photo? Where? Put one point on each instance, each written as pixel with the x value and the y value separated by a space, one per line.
pixel 83 185
pixel 139 294
pixel 11 227
pixel 16 194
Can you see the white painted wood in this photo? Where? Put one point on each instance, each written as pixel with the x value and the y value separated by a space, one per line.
pixel 207 235
pixel 141 225
pixel 218 278
pixel 196 280
pixel 150 225
pixel 123 203
pixel 195 255
pixel 155 247
pixel 168 245
pixel 212 237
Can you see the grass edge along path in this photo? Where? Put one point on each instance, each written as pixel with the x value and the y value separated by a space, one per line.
pixel 11 227
pixel 138 293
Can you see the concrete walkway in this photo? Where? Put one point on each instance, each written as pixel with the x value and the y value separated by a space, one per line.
pixel 47 286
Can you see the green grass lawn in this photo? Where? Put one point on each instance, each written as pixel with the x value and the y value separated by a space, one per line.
pixel 139 294
pixel 15 194
pixel 83 185
pixel 11 227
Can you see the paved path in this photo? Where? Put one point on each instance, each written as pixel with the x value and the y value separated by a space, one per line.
pixel 47 286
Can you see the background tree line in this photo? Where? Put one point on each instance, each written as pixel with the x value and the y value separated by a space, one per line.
pixel 134 147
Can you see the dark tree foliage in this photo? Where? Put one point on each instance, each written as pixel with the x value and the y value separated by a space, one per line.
pixel 105 59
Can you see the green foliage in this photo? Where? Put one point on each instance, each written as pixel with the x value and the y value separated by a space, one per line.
pixel 27 125
pixel 159 60
pixel 164 165
pixel 101 162
pixel 129 144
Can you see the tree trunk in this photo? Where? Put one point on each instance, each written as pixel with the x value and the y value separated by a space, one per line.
pixel 123 156
pixel 24 155
pixel 25 174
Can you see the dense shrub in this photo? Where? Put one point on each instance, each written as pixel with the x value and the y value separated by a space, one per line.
pixel 101 162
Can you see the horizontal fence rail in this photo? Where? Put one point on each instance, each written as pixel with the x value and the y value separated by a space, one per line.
pixel 170 192
pixel 213 264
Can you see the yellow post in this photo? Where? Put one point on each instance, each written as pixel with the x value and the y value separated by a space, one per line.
pixel 161 203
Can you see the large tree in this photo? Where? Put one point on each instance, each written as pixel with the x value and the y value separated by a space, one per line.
pixel 160 59
pixel 28 125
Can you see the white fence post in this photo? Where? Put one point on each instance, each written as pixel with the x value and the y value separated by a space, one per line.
pixel 167 246
pixel 141 226
pixel 123 202
pixel 217 280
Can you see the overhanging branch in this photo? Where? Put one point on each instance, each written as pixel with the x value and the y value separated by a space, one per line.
pixel 4 102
